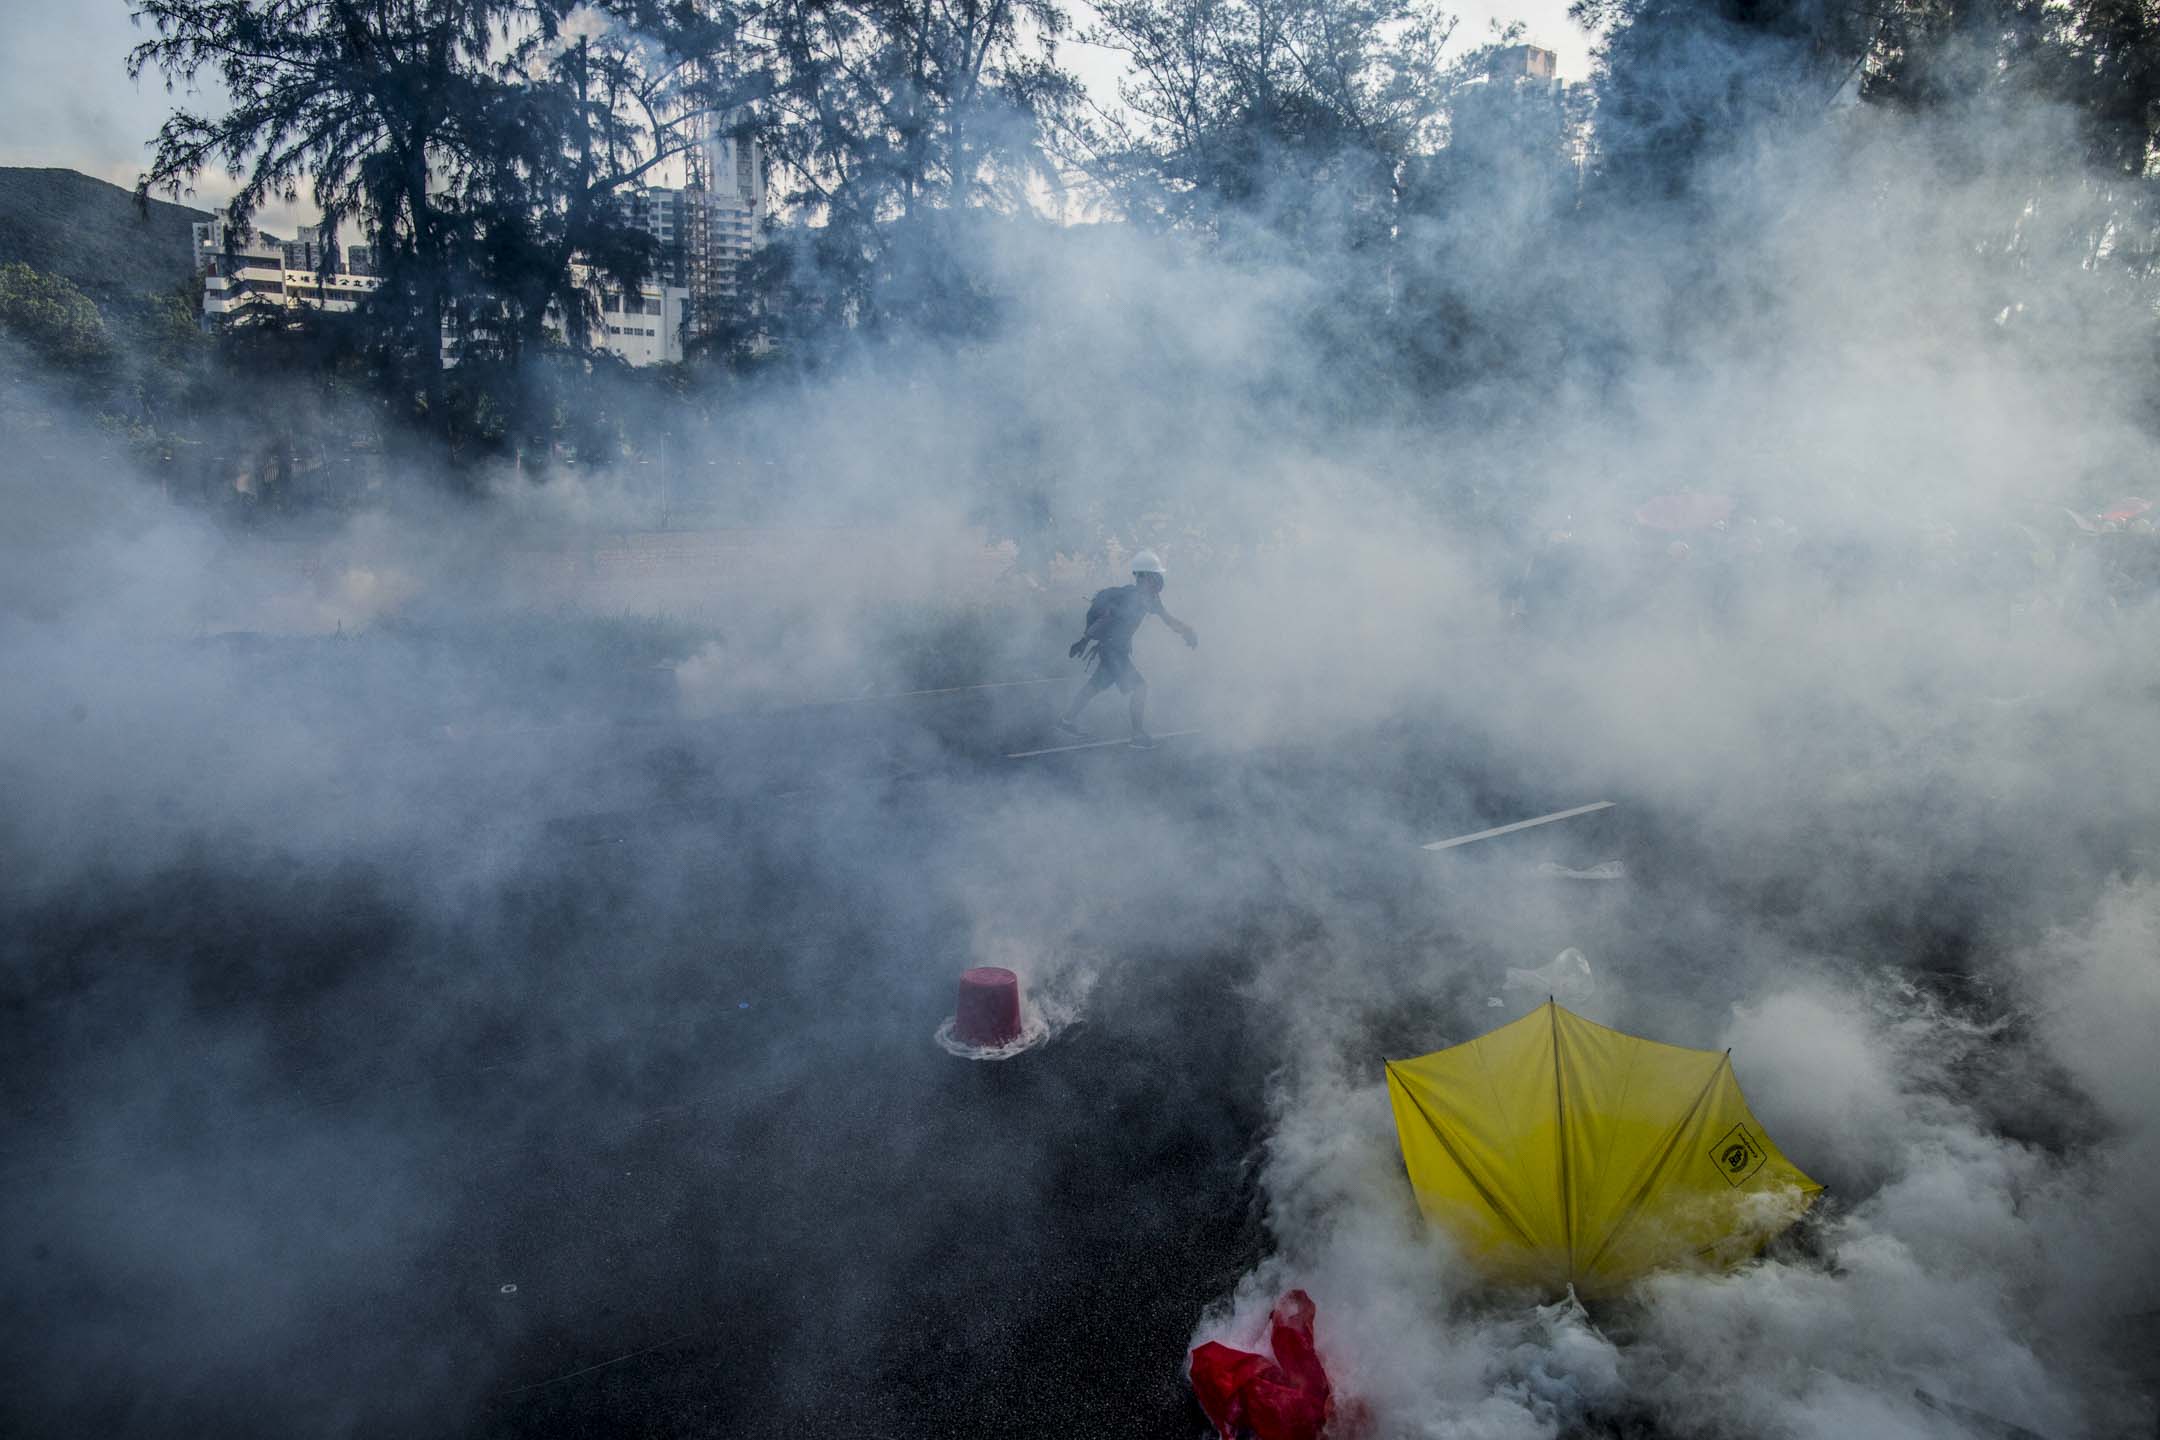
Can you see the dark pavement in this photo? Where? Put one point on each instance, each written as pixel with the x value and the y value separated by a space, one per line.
pixel 646 1035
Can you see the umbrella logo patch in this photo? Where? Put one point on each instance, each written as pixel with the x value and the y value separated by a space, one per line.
pixel 1737 1156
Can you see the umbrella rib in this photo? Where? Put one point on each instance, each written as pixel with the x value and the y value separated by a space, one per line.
pixel 1567 1210
pixel 1642 1192
pixel 1612 1138
pixel 1492 1201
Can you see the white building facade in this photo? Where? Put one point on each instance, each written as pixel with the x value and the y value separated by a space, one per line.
pixel 643 327
pixel 705 230
pixel 239 275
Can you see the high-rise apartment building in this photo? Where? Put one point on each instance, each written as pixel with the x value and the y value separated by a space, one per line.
pixel 661 214
pixel 314 248
pixel 707 228
pixel 705 232
pixel 239 274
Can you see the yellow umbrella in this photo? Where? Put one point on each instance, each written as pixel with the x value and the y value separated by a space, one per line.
pixel 1558 1152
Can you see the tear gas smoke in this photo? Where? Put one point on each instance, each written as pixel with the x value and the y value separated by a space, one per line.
pixel 298 829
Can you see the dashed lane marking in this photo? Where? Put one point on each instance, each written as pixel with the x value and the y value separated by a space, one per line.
pixel 1519 825
pixel 1092 745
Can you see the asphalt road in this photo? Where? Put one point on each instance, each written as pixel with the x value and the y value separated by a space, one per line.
pixel 637 1127
pixel 646 1134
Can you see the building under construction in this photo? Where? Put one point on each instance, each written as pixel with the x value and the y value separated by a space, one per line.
pixel 706 230
pixel 707 227
pixel 723 203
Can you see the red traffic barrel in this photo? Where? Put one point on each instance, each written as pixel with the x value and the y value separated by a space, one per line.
pixel 989 1011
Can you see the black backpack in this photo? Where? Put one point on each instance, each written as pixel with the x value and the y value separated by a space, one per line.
pixel 1100 605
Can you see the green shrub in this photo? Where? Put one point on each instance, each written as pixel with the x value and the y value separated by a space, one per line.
pixel 53 320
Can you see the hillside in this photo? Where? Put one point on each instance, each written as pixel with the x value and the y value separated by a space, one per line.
pixel 66 223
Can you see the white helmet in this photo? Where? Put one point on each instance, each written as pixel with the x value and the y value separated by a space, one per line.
pixel 1147 562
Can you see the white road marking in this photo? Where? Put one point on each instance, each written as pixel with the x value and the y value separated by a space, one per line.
pixel 918 694
pixel 1519 825
pixel 1092 745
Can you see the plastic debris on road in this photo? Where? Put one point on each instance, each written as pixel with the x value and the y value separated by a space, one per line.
pixel 1606 870
pixel 1284 1398
pixel 1567 978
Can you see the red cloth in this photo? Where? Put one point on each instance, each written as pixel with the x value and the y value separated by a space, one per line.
pixel 1287 1398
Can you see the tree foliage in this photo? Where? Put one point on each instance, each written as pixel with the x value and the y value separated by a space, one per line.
pixel 1419 193
pixel 1678 80
pixel 54 321
pixel 887 122
pixel 480 146
pixel 1298 113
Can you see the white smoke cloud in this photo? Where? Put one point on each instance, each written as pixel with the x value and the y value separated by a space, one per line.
pixel 1822 745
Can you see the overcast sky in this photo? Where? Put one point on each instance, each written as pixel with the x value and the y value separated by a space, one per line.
pixel 65 98
pixel 68 100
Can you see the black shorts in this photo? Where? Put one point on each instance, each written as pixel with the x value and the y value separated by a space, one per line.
pixel 1115 667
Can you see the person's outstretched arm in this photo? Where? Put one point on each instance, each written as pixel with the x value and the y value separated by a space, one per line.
pixel 1191 636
